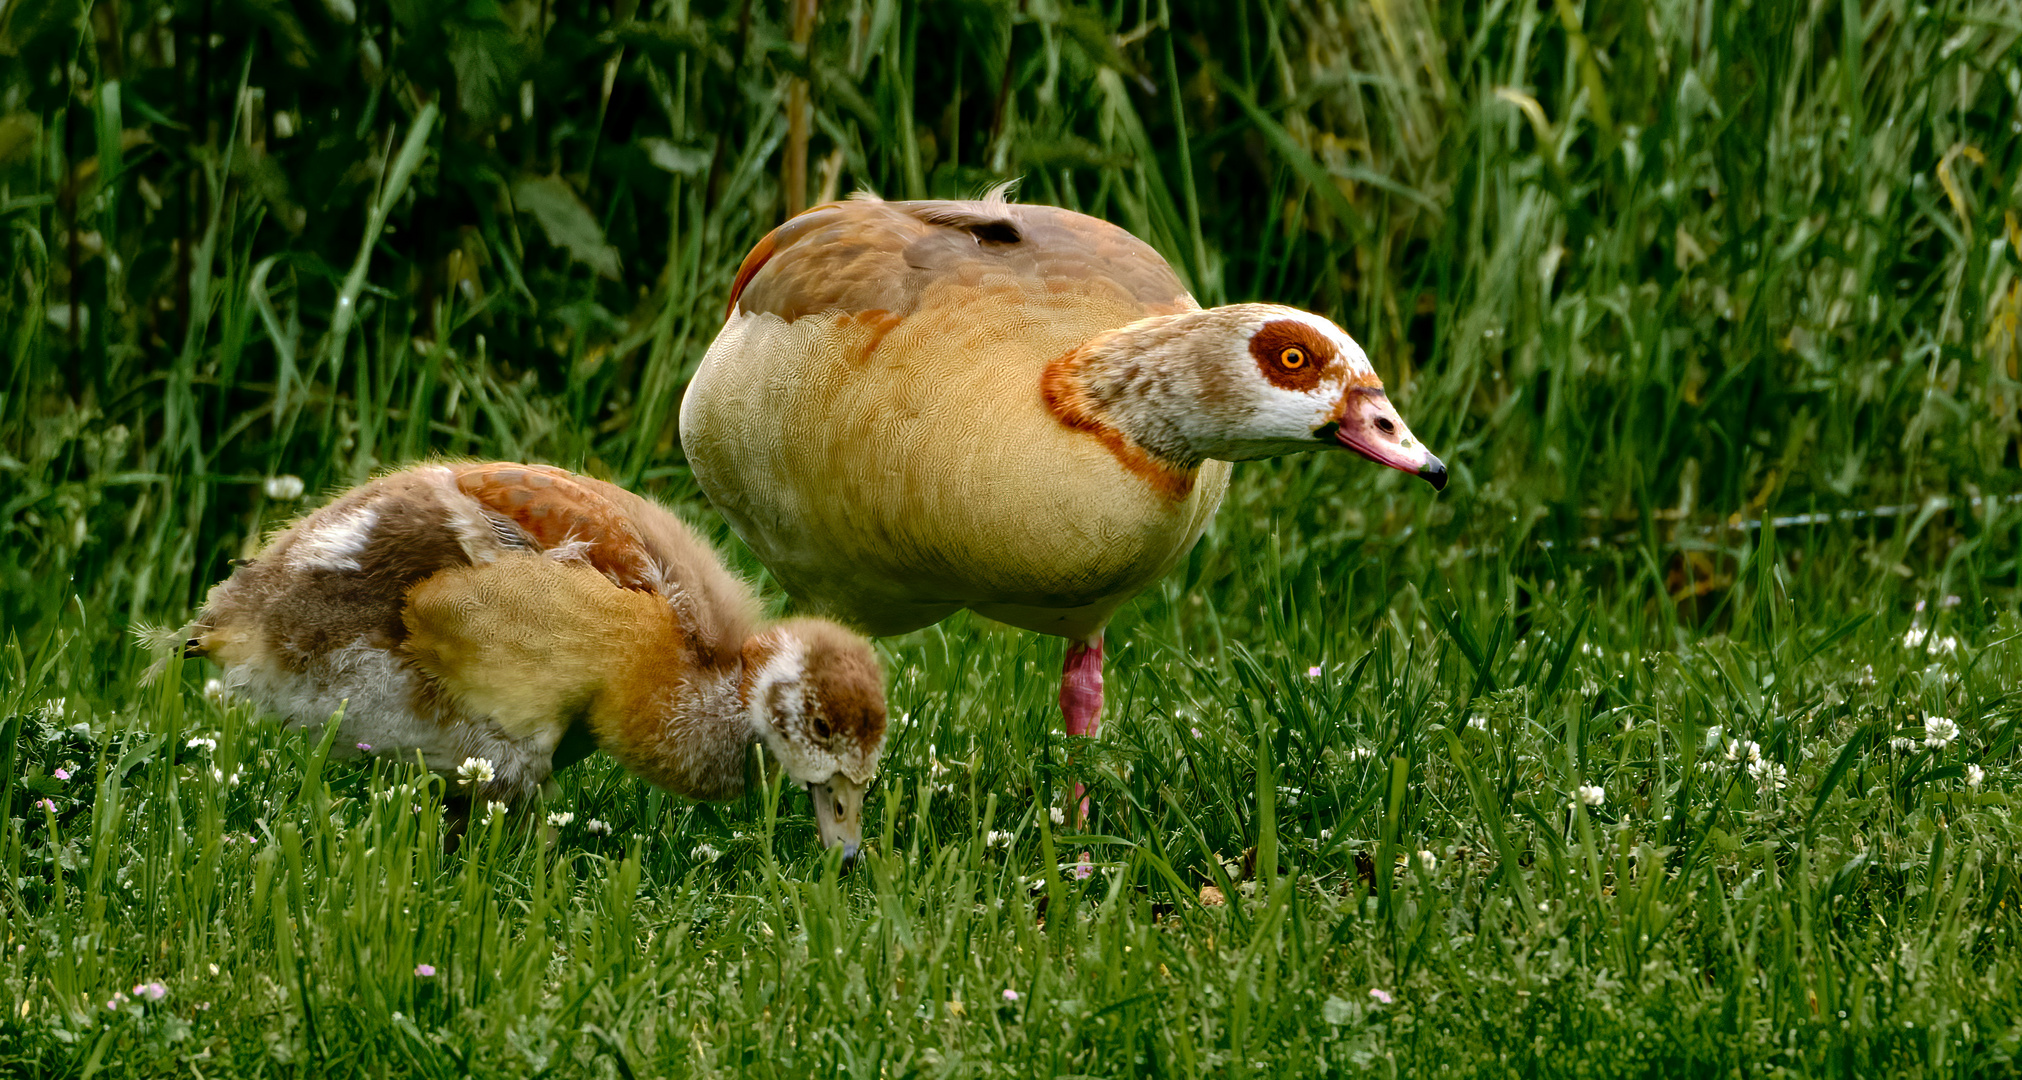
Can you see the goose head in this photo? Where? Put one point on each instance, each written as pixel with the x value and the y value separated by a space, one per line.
pixel 815 696
pixel 1236 383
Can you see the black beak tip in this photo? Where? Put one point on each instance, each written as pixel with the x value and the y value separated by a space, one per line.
pixel 1434 473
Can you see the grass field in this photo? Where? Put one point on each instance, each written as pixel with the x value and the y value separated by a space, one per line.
pixel 1678 736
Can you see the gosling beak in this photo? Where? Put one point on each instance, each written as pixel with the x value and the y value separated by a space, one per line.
pixel 839 812
pixel 1370 426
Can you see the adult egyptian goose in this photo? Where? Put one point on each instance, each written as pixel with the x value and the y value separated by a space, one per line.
pixel 917 407
pixel 505 613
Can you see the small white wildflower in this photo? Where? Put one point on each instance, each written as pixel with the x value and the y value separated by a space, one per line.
pixel 1769 775
pixel 995 838
pixel 217 775
pixel 1914 636
pixel 1939 732
pixel 215 692
pixel 1058 815
pixel 597 828
pixel 1975 776
pixel 1946 644
pixel 492 809
pixel 1739 750
pixel 1326 835
pixel 1903 744
pixel 1591 794
pixel 287 487
pixel 1477 722
pixel 705 853
pixel 1361 753
pixel 559 818
pixel 1428 861
pixel 201 742
pixel 475 770
pixel 1866 676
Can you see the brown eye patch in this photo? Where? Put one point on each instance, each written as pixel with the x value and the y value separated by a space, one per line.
pixel 1291 354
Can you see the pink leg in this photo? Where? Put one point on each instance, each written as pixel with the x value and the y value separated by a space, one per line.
pixel 1081 687
pixel 1081 701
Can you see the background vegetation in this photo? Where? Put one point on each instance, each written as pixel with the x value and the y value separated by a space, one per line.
pixel 1712 308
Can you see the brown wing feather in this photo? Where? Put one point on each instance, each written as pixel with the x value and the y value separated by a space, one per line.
pixel 635 543
pixel 557 507
pixel 871 255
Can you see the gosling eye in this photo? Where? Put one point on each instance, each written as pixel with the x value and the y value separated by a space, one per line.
pixel 1384 425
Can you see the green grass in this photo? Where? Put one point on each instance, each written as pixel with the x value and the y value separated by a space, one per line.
pixel 1642 280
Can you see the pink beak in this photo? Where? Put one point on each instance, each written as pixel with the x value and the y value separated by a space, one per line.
pixel 1371 427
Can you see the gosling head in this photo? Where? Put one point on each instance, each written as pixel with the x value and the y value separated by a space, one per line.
pixel 816 695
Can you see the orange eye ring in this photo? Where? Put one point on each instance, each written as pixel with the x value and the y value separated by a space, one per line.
pixel 1292 358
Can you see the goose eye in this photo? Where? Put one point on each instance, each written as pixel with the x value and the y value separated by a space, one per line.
pixel 1292 358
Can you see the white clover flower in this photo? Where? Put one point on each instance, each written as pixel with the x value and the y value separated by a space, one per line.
pixel 1975 776
pixel 1902 743
pixel 152 991
pixel 492 809
pixel 215 692
pixel 1939 732
pixel 1591 794
pixel 203 742
pixel 1740 750
pixel 1914 636
pixel 1866 676
pixel 1361 753
pixel 597 828
pixel 1058 815
pixel 1428 861
pixel 1477 722
pixel 559 818
pixel 996 838
pixel 287 487
pixel 705 853
pixel 1769 775
pixel 475 770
